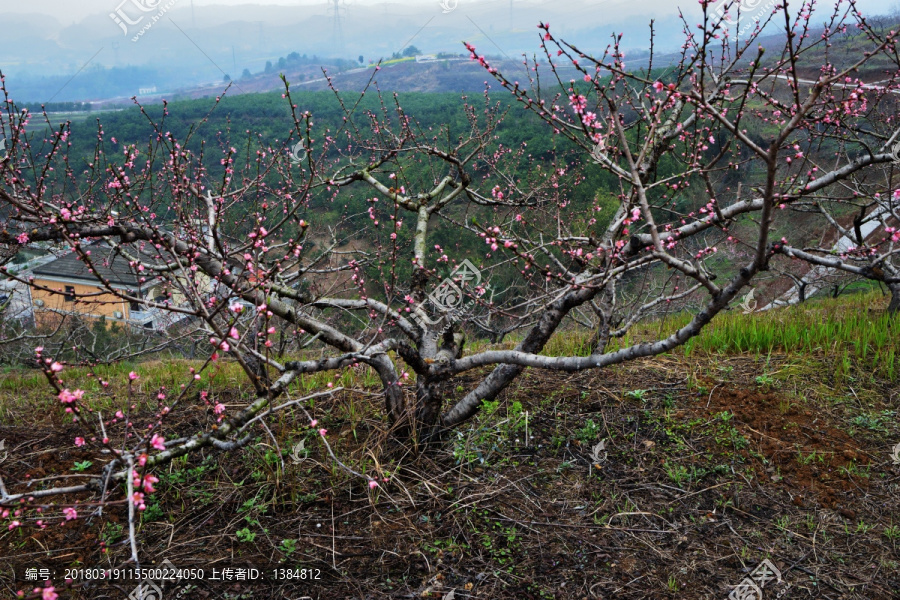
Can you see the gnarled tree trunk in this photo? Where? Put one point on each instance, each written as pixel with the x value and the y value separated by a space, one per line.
pixel 894 306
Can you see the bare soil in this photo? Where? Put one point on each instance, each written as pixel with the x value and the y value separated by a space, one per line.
pixel 703 477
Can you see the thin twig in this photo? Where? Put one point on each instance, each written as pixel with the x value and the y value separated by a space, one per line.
pixel 131 535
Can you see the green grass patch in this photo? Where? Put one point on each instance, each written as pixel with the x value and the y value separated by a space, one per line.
pixel 847 330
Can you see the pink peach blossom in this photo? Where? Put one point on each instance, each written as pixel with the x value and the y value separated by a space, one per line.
pixel 158 442
pixel 47 593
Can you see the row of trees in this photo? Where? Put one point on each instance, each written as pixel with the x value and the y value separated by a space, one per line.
pixel 247 251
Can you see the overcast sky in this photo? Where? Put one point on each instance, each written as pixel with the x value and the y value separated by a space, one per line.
pixel 193 41
pixel 69 11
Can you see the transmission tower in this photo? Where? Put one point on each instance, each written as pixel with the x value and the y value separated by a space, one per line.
pixel 337 32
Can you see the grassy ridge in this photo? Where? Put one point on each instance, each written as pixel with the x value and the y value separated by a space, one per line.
pixel 850 335
pixel 851 328
pixel 842 329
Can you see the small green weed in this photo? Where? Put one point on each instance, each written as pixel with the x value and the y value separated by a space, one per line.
pixel 245 535
pixel 589 433
pixel 111 533
pixel 765 380
pixel 288 546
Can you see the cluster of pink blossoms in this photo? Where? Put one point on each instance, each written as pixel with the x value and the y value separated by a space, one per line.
pixel 145 484
pixel 47 593
pixel 67 397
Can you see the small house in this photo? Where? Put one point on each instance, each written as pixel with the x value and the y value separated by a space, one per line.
pixel 68 286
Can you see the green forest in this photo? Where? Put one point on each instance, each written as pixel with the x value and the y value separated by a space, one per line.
pixel 254 122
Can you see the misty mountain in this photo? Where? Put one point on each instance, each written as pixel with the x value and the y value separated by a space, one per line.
pixel 188 45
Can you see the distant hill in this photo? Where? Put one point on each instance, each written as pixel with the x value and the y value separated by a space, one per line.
pixel 452 75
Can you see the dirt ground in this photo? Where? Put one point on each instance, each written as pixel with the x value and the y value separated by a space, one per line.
pixel 707 470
